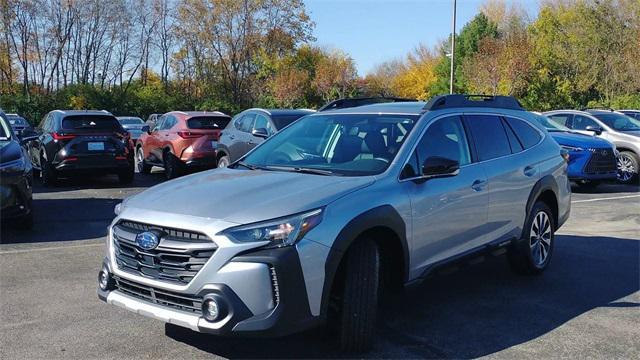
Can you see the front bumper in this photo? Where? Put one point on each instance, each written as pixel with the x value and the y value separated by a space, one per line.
pixel 289 312
pixel 15 195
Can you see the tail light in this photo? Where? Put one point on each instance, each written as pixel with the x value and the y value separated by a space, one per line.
pixel 189 134
pixel 57 136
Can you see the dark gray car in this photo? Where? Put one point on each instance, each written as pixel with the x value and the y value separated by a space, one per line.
pixel 249 128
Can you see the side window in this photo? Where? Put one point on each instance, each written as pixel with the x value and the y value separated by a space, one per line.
pixel 170 122
pixel 581 122
pixel 489 136
pixel 562 119
pixel 44 125
pixel 246 124
pixel 412 168
pixel 516 145
pixel 261 122
pixel 527 135
pixel 445 138
pixel 237 121
pixel 160 123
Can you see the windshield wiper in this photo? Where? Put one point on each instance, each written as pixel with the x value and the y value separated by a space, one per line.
pixel 303 170
pixel 248 166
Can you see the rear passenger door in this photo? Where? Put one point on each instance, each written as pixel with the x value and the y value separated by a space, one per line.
pixel 448 213
pixel 502 148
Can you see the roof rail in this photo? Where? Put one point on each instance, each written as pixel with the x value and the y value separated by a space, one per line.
pixel 465 100
pixel 361 101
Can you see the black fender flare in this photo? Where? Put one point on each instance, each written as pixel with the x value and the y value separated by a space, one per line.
pixel 545 183
pixel 382 216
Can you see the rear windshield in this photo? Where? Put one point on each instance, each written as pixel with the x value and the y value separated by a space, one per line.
pixel 282 121
pixel 208 122
pixel 91 122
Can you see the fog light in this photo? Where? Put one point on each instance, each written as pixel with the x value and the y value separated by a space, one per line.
pixel 104 280
pixel 210 309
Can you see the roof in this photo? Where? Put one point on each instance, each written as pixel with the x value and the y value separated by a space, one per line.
pixel 360 101
pixel 409 107
pixel 199 113
pixel 284 112
pixel 83 112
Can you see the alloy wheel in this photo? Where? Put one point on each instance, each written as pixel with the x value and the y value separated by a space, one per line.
pixel 139 160
pixel 626 168
pixel 540 238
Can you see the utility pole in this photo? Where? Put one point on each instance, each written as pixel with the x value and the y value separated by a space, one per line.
pixel 453 47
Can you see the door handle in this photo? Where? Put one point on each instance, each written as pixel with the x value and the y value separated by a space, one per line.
pixel 529 171
pixel 479 185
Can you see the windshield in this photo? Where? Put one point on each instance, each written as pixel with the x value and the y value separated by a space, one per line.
pixel 131 121
pixel 551 125
pixel 16 120
pixel 5 134
pixel 281 121
pixel 340 144
pixel 619 122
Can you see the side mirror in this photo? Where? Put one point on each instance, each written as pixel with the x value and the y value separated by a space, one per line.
pixel 596 129
pixel 146 129
pixel 261 133
pixel 438 166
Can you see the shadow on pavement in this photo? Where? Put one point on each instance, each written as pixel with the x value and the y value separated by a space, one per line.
pixel 606 188
pixel 477 311
pixel 98 182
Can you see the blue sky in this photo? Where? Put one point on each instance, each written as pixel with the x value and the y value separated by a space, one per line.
pixel 374 31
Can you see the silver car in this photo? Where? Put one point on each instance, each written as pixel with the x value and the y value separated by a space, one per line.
pixel 621 130
pixel 316 222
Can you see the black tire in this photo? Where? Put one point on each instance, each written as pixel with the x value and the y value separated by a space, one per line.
pixel 140 165
pixel 48 175
pixel 24 222
pixel 172 166
pixel 126 176
pixel 359 298
pixel 523 255
pixel 224 161
pixel 631 161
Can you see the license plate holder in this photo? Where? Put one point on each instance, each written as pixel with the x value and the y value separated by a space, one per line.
pixel 95 146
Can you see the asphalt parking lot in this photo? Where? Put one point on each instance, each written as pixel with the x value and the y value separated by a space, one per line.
pixel 587 304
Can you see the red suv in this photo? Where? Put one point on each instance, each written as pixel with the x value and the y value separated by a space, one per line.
pixel 180 141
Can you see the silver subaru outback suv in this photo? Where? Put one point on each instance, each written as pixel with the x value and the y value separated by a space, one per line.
pixel 315 223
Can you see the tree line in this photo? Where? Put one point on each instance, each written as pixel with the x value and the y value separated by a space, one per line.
pixel 136 57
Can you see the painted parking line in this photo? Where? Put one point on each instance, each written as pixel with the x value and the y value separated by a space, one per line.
pixel 607 198
pixel 50 248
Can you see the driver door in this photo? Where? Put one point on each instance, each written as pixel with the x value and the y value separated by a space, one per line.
pixel 449 214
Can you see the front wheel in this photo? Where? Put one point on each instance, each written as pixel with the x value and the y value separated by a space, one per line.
pixel 532 254
pixel 172 166
pixel 48 175
pixel 359 298
pixel 627 164
pixel 223 162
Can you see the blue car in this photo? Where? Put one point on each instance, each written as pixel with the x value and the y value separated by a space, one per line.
pixel 592 160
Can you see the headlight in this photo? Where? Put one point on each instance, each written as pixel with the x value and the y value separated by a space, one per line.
pixel 16 165
pixel 280 232
pixel 572 148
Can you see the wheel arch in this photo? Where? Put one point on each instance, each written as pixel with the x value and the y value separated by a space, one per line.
pixel 546 190
pixel 385 226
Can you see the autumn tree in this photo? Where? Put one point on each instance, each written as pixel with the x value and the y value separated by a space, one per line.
pixel 335 76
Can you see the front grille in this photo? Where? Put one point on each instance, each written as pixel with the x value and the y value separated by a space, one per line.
pixel 157 296
pixel 602 161
pixel 175 259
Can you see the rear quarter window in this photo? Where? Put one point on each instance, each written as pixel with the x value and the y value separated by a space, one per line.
pixel 91 122
pixel 527 135
pixel 208 122
pixel 282 121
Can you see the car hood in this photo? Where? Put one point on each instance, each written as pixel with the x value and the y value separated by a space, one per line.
pixel 9 151
pixel 579 140
pixel 245 196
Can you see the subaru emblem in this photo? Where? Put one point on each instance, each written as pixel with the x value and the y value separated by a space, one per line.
pixel 147 240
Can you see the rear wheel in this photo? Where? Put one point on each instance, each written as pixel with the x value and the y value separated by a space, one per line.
pixel 359 298
pixel 141 165
pixel 48 175
pixel 223 162
pixel 532 254
pixel 172 166
pixel 627 167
